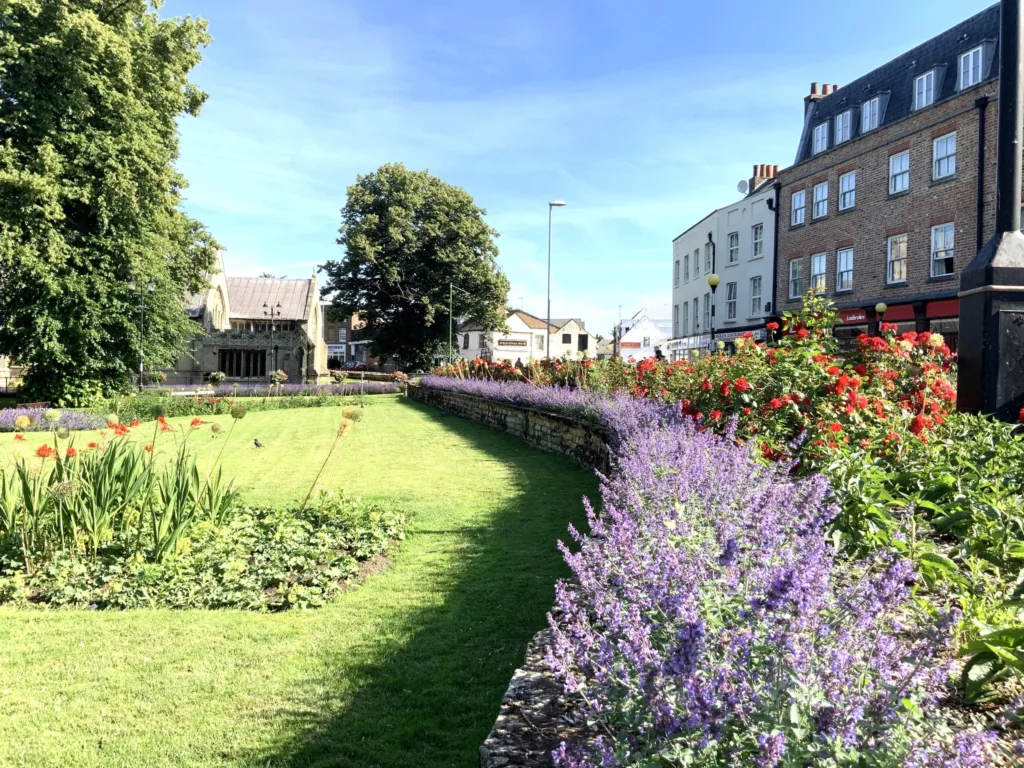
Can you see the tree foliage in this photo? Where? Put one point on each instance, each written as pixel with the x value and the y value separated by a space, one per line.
pixel 407 236
pixel 90 91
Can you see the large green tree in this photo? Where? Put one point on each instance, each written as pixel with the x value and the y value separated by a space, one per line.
pixel 90 91
pixel 408 236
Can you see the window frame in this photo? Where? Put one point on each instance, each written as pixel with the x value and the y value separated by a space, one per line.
pixel 756 297
pixel 732 294
pixel 871 108
pixel 812 282
pixel 675 321
pixel 950 250
pixel 846 119
pixel 675 282
pixel 890 261
pixel 823 201
pixel 707 257
pixel 802 208
pixel 902 174
pixel 980 50
pixel 929 91
pixel 567 338
pixel 757 241
pixel 696 262
pixel 799 278
pixel 686 268
pixel 851 192
pixel 686 314
pixel 707 309
pixel 949 159
pixel 734 247
pixel 840 254
pixel 696 315
pixel 819 138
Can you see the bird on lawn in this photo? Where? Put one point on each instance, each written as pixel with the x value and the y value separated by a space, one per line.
pixel 256 442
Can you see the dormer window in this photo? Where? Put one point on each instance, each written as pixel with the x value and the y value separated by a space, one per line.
pixel 870 113
pixel 970 68
pixel 820 138
pixel 924 90
pixel 844 126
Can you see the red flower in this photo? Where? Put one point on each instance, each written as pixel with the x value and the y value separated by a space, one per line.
pixel 746 411
pixel 833 370
pixel 918 424
pixel 71 453
pixel 742 385
pixel 835 427
pixel 705 385
pixel 93 446
pixel 1020 417
pixel 133 423
pixel 860 369
pixel 716 415
pixel 803 333
pixel 119 429
pixel 45 452
pixel 149 447
pixel 772 326
pixel 892 437
pixel 724 389
pixel 196 422
pixel 20 436
pixel 865 444
pixel 775 403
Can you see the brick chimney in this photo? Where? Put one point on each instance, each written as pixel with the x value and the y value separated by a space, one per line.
pixel 817 94
pixel 761 174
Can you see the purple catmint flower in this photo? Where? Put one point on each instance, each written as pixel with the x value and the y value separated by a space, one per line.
pixel 770 749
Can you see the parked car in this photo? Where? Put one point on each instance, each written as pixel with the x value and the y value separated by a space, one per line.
pixel 352 365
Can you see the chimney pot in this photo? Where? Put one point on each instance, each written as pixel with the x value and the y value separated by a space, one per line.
pixel 764 171
pixel 814 89
pixel 834 88
pixel 754 172
pixel 775 171
pixel 826 89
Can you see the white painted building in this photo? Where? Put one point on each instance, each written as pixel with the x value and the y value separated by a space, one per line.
pixel 527 339
pixel 640 336
pixel 741 251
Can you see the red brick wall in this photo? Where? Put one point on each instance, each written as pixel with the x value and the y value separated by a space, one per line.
pixel 877 215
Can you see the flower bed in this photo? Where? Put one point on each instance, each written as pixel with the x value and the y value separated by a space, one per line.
pixel 343 389
pixel 46 419
pixel 709 622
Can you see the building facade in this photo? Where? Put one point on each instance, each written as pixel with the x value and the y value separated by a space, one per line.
pixel 893 188
pixel 526 339
pixel 737 243
pixel 641 336
pixel 248 327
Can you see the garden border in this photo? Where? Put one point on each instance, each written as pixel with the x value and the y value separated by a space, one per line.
pixel 551 432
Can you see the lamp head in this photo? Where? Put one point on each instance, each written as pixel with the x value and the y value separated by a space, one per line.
pixel 880 308
pixel 714 280
pixel 556 203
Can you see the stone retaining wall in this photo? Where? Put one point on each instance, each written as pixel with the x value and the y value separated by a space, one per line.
pixel 547 431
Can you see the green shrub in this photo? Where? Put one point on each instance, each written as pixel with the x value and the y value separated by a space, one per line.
pixel 257 560
pixel 141 407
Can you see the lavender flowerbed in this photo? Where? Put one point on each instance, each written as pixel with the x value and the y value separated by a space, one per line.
pixel 709 622
pixel 45 419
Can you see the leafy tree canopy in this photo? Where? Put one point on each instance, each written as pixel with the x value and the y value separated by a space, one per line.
pixel 408 235
pixel 89 197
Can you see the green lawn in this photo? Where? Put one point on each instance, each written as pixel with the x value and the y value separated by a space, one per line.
pixel 406 670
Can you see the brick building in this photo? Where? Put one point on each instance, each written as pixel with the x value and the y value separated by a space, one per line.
pixel 893 188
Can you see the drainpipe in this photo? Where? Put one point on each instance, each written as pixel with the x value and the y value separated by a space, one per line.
pixel 775 255
pixel 979 225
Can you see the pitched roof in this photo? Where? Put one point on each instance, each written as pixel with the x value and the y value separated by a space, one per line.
pixel 562 322
pixel 894 82
pixel 247 296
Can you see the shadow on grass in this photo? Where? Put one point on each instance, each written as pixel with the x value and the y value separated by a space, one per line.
pixel 432 691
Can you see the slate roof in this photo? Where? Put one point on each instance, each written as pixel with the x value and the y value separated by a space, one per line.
pixel 894 82
pixel 531 321
pixel 563 321
pixel 247 295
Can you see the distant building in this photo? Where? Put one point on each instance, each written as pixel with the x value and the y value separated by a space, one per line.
pixel 640 336
pixel 237 336
pixel 893 189
pixel 737 243
pixel 526 339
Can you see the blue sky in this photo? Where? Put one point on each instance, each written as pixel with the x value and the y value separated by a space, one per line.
pixel 641 115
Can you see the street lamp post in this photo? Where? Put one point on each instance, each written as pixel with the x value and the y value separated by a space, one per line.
pixel 137 288
pixel 274 313
pixel 452 287
pixel 713 281
pixel 551 206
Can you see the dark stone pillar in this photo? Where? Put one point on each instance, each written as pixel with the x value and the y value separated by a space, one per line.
pixel 991 366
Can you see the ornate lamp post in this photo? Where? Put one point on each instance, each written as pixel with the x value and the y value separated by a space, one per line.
pixel 274 313
pixel 142 292
pixel 713 281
